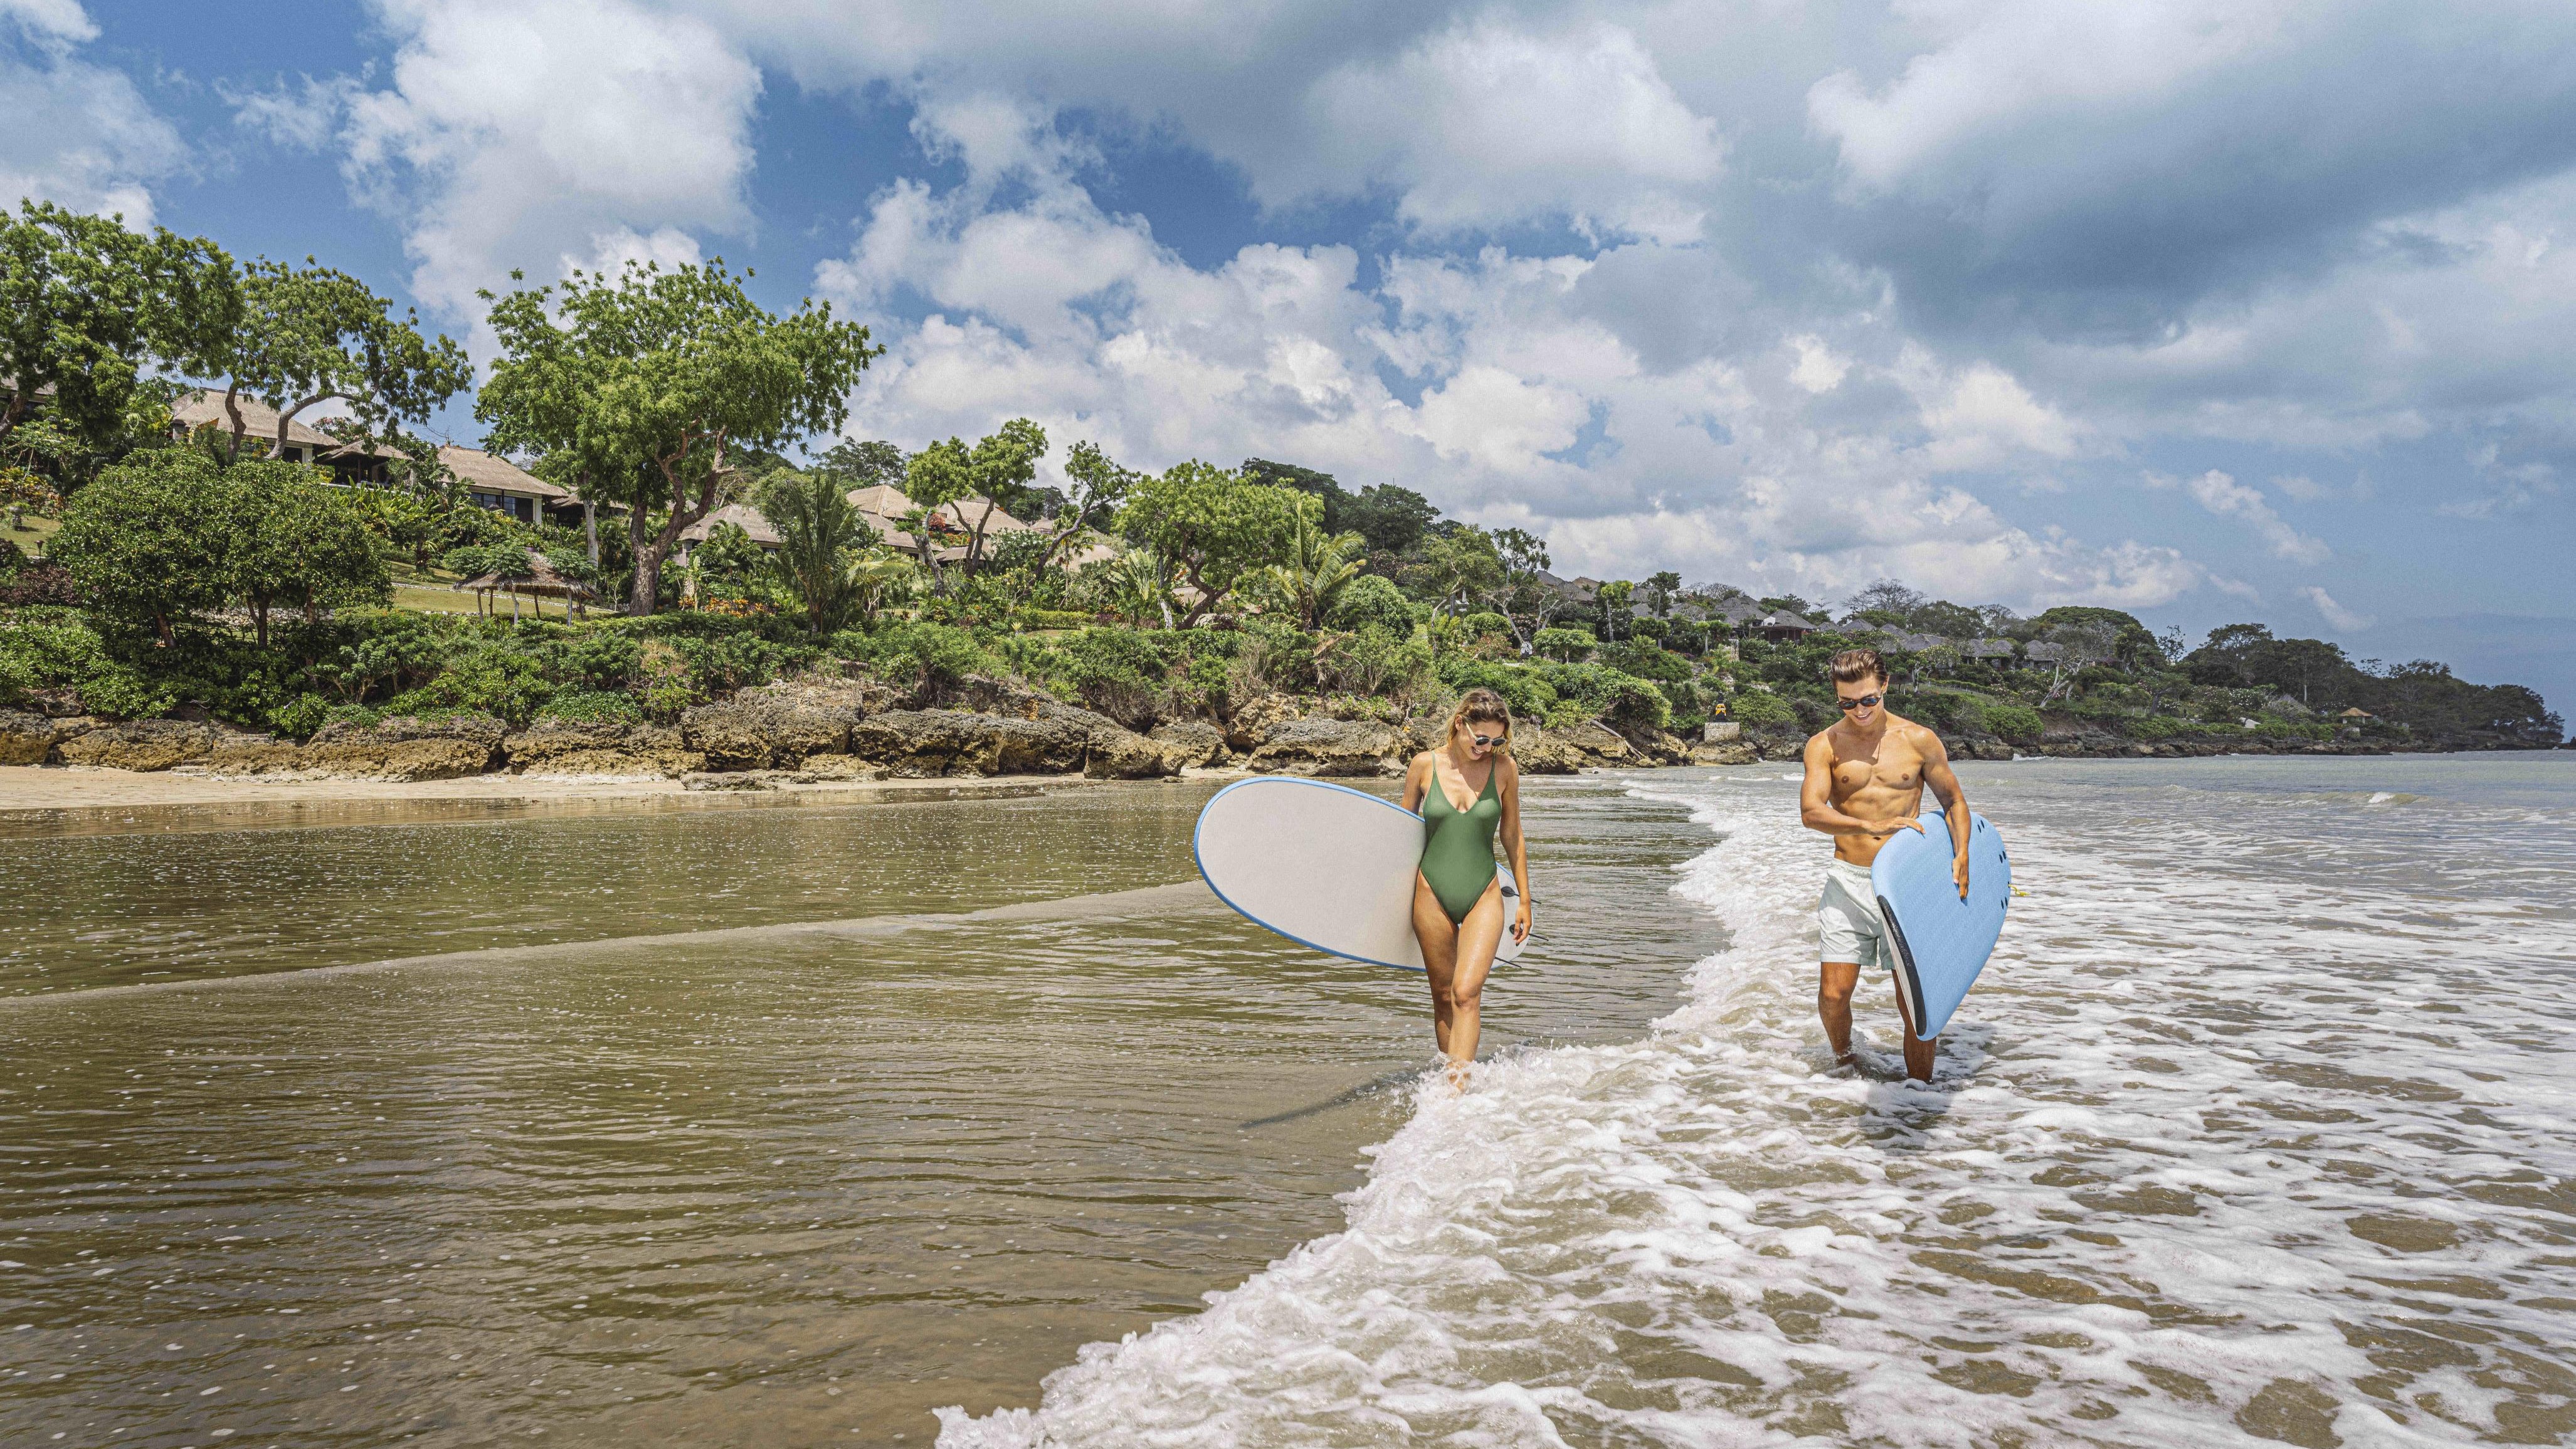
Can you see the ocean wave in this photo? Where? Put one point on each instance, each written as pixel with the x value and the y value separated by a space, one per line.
pixel 2207 1161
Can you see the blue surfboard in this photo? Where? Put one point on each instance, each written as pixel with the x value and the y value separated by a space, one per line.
pixel 1942 942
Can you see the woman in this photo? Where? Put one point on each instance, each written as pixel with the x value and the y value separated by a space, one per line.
pixel 1465 790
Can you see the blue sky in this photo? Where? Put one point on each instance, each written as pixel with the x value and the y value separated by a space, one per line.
pixel 2213 311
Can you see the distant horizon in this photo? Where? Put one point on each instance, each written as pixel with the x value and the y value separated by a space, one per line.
pixel 2255 315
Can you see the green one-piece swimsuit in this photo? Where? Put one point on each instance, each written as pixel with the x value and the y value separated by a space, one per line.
pixel 1458 847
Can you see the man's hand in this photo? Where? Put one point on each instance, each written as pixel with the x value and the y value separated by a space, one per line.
pixel 1959 873
pixel 1890 827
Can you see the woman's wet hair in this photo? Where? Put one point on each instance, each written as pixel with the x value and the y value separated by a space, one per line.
pixel 1483 706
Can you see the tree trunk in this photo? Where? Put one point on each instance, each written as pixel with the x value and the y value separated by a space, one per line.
pixel 259 621
pixel 590 528
pixel 277 449
pixel 648 567
pixel 232 410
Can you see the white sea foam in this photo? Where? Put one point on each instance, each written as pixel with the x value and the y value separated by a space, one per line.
pixel 2231 1147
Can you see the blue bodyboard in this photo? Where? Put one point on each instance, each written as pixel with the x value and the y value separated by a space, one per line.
pixel 1942 942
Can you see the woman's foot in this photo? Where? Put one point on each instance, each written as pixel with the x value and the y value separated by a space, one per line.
pixel 1457 1072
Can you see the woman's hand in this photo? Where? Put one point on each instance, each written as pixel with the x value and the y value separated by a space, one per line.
pixel 1521 921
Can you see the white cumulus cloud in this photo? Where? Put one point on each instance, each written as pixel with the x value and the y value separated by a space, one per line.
pixel 74 132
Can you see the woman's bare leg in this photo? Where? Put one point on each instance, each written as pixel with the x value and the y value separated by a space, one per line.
pixel 1479 937
pixel 1439 954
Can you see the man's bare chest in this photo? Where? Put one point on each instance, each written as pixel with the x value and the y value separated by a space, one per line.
pixel 1893 767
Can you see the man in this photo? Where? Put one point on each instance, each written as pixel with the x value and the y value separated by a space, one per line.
pixel 1865 779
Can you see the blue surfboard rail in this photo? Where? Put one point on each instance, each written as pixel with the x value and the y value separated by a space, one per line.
pixel 1942 942
pixel 1509 885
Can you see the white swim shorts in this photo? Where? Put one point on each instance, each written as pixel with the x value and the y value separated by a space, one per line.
pixel 1848 925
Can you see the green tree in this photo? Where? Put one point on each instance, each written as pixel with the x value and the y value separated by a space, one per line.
pixel 88 310
pixel 1615 597
pixel 1319 567
pixel 313 335
pixel 654 379
pixel 146 541
pixel 1457 568
pixel 1323 487
pixel 863 465
pixel 819 536
pixel 1099 487
pixel 975 483
pixel 1212 528
pixel 1660 591
pixel 1393 519
pixel 289 539
pixel 728 564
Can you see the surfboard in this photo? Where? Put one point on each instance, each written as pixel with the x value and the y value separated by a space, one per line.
pixel 1942 942
pixel 1324 865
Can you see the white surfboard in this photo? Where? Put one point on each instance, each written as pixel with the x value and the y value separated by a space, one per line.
pixel 1324 865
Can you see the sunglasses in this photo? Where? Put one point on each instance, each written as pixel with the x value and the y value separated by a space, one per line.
pixel 1866 701
pixel 1487 742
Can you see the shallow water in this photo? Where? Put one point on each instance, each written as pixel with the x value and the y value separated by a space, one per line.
pixel 622 1143
pixel 2255 1132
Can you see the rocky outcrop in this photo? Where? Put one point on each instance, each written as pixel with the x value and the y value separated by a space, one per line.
pixel 600 747
pixel 1253 718
pixel 1724 752
pixel 1332 747
pixel 1599 743
pixel 1054 739
pixel 401 748
pixel 776 726
pixel 1546 754
pixel 140 744
pixel 28 739
pixel 1193 744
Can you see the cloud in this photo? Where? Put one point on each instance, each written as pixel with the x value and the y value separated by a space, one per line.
pixel 1485 124
pixel 512 135
pixel 2513 487
pixel 77 134
pixel 2334 613
pixel 1525 404
pixel 2224 497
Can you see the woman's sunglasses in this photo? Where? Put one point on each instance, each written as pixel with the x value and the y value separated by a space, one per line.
pixel 1866 701
pixel 1486 742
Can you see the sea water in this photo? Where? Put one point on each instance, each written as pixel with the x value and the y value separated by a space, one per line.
pixel 2257 1129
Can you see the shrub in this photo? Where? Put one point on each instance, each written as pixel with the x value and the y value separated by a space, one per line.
pixel 1051 618
pixel 606 660
pixel 2157 727
pixel 1563 645
pixel 486 677
pixel 926 660
pixel 1481 624
pixel 1619 700
pixel 1372 599
pixel 1115 671
pixel 1530 697
pixel 1760 709
pixel 47 656
pixel 2018 723
pixel 1645 659
pixel 596 706
pixel 1277 654
pixel 1376 661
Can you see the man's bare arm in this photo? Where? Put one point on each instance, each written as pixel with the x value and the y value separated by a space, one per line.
pixel 1816 800
pixel 1954 803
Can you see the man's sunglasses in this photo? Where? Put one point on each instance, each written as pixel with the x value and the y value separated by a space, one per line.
pixel 1866 701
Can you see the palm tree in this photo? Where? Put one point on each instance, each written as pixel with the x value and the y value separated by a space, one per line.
pixel 817 530
pixel 878 578
pixel 1319 566
pixel 1136 585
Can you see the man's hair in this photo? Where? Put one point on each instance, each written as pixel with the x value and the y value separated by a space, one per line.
pixel 1854 665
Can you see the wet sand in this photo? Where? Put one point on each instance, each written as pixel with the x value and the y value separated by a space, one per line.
pixel 68 800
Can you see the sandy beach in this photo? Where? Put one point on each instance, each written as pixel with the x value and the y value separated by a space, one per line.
pixel 60 800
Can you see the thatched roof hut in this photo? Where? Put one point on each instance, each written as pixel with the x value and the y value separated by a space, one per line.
pixel 540 581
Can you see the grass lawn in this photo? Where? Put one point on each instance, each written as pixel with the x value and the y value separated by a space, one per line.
pixel 32 537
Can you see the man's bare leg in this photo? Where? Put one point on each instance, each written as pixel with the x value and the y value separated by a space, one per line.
pixel 1918 1054
pixel 1834 983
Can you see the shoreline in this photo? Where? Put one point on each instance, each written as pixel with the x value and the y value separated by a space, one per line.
pixel 44 801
